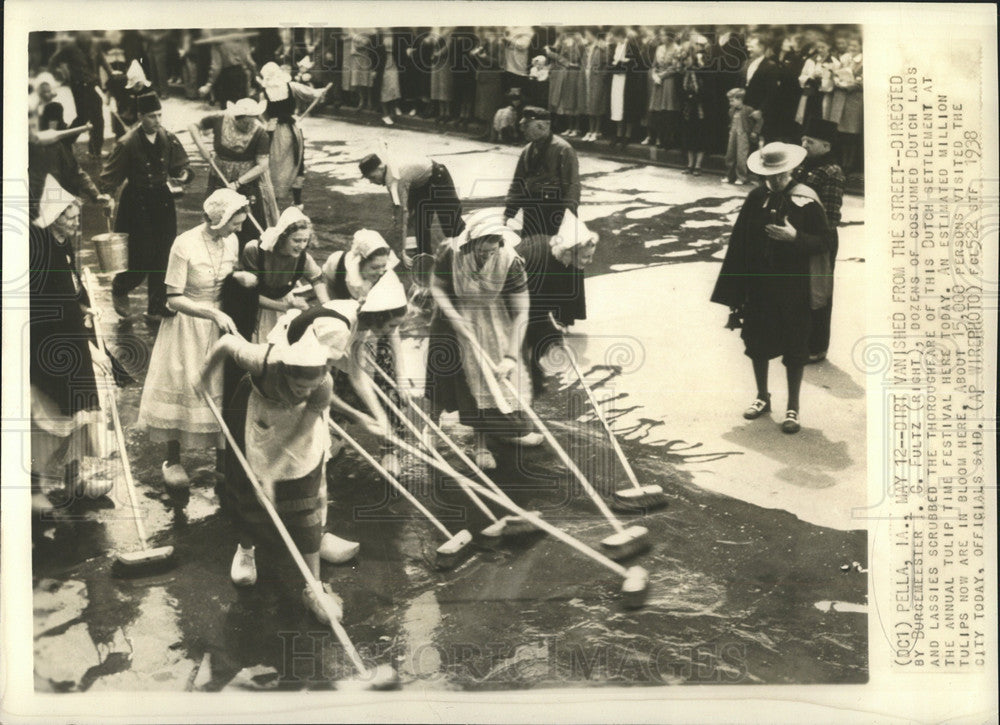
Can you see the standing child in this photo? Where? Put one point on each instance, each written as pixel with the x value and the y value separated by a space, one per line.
pixel 744 133
pixel 538 82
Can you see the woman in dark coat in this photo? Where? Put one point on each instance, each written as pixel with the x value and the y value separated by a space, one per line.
pixel 488 59
pixel 695 139
pixel 461 43
pixel 66 422
pixel 773 276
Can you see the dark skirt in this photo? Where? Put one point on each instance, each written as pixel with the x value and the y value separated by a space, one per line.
pixel 489 94
pixel 775 324
pixel 298 502
pixel 448 390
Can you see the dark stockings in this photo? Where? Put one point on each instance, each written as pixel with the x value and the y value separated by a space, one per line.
pixel 793 374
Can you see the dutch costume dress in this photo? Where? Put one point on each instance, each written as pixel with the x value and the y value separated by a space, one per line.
pixel 170 407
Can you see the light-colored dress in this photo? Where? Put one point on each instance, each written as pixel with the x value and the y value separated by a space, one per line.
pixel 287 153
pixel 618 84
pixel 478 299
pixel 170 409
pixel 390 80
pixel 847 104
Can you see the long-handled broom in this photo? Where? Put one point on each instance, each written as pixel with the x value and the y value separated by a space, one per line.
pixel 636 497
pixel 625 542
pixel 383 677
pixel 508 525
pixel 451 551
pixel 218 172
pixel 635 579
pixel 146 558
pixel 504 526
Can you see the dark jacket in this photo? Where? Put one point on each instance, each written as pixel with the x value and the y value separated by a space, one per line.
pixel 546 183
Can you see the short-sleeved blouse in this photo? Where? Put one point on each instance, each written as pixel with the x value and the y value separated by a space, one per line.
pixel 279 271
pixel 198 264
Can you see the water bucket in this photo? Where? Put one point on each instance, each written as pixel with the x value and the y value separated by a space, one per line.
pixel 112 251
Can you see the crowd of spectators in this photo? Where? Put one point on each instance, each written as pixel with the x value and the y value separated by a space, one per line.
pixel 666 86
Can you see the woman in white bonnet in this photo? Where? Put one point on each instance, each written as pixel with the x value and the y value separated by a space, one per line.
pixel 279 420
pixel 66 420
pixel 480 288
pixel 287 158
pixel 279 260
pixel 171 409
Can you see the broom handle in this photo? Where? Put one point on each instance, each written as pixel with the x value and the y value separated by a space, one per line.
pixel 538 521
pixel 388 477
pixel 489 374
pixel 208 157
pixel 318 98
pixel 119 434
pixel 413 429
pixel 447 439
pixel 563 456
pixel 316 587
pixel 600 415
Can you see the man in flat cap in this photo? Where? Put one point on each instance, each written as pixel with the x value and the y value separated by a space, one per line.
pixel 421 190
pixel 545 188
pixel 546 181
pixel 821 173
pixel 145 160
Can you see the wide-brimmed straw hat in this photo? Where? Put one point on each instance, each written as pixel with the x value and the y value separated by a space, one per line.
pixel 775 158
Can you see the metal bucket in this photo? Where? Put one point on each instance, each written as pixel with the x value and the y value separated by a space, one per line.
pixel 112 251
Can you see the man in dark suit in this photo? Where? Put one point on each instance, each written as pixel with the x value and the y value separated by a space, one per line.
pixel 762 83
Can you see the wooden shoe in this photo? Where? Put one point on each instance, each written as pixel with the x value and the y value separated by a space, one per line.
pixel 758 408
pixel 175 476
pixel 335 550
pixel 791 422
pixel 313 605
pixel 484 459
pixel 243 571
pixel 390 462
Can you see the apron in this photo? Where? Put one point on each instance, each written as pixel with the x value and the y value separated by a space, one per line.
pixel 272 456
pixel 479 300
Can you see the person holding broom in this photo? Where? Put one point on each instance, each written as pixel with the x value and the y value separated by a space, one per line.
pixel 352 274
pixel 343 330
pixel 66 420
pixel 480 289
pixel 201 260
pixel 287 155
pixel 278 418
pixel 242 155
